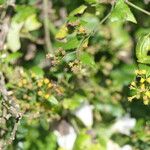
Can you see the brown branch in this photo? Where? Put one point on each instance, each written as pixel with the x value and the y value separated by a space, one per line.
pixel 9 109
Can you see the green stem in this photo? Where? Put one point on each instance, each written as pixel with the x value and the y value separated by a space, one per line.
pixel 46 27
pixel 93 32
pixel 138 8
pixel 107 16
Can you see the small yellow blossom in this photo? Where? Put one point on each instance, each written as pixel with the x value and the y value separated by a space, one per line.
pixel 49 85
pixel 136 72
pixel 146 101
pixel 33 75
pixel 142 80
pixel 20 84
pixel 143 71
pixel 71 64
pixel 25 96
pixel 133 83
pixel 148 80
pixel 39 84
pixel 131 98
pixel 40 93
pixel 85 44
pixel 46 81
pixel 46 96
pixel 147 93
pixel 24 81
pixel 142 86
pixel 82 29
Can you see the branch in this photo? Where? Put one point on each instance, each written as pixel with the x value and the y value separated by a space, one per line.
pixel 46 27
pixel 94 31
pixel 9 109
pixel 138 8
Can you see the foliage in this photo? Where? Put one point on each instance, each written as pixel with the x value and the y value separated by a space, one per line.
pixel 69 72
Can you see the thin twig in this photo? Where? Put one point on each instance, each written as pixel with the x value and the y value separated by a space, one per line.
pixel 94 31
pixel 46 27
pixel 138 8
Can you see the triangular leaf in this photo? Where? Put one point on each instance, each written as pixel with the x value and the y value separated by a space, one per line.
pixel 122 12
pixel 87 59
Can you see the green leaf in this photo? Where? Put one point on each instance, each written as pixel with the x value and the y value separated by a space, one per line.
pixel 84 141
pixel 145 67
pixel 124 40
pixel 73 21
pixel 91 1
pixel 13 56
pixel 122 12
pixel 37 70
pixel 2 2
pixel 73 102
pixel 62 33
pixel 87 59
pixel 89 22
pixel 72 42
pixel 53 100
pixel 78 11
pixel 13 37
pixel 23 12
pixel 142 49
pixel 32 23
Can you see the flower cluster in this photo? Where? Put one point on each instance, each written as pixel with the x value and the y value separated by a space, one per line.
pixel 77 67
pixel 141 87
pixel 36 89
pixel 57 57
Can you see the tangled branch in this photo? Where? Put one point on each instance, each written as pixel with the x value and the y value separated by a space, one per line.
pixel 10 109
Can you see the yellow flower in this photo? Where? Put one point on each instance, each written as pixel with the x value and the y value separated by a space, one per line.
pixel 20 84
pixel 24 81
pixel 131 98
pixel 49 85
pixel 40 93
pixel 46 96
pixel 143 86
pixel 133 84
pixel 71 64
pixel 136 71
pixel 147 93
pixel 25 96
pixel 46 81
pixel 146 101
pixel 82 29
pixel 39 84
pixel 85 44
pixel 142 80
pixel 148 80
pixel 143 71
pixel 33 75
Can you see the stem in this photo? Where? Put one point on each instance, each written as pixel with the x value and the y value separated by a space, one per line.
pixel 93 32
pixel 46 27
pixel 138 8
pixel 107 16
